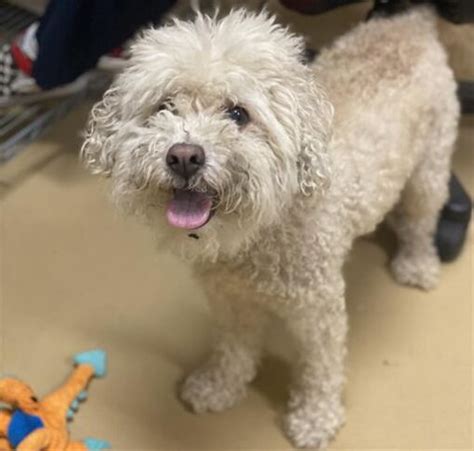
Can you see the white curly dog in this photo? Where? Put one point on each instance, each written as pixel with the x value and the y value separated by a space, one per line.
pixel 261 171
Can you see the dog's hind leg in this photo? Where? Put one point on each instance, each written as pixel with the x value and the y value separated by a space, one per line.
pixel 415 218
pixel 222 381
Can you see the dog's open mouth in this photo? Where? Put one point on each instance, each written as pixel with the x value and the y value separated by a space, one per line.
pixel 189 210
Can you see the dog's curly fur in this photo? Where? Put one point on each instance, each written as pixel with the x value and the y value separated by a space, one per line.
pixel 331 150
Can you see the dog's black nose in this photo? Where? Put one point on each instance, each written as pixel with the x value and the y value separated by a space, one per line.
pixel 185 159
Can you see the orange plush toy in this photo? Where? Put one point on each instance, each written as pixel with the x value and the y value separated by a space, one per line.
pixel 33 425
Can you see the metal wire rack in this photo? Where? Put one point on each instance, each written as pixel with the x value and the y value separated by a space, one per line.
pixel 21 124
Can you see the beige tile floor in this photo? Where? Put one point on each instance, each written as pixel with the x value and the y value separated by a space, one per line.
pixel 74 276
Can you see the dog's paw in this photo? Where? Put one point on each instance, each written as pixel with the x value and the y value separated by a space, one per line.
pixel 207 390
pixel 314 426
pixel 420 271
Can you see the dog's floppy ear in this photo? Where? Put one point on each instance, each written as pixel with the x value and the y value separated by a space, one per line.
pixel 315 121
pixel 98 150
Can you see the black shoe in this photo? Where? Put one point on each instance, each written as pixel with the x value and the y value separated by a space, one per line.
pixel 453 222
pixel 387 8
pixel 309 55
pixel 466 96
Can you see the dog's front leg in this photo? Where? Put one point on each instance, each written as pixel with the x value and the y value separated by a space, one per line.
pixel 320 328
pixel 222 380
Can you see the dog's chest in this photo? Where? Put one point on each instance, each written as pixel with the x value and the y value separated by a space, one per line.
pixel 282 265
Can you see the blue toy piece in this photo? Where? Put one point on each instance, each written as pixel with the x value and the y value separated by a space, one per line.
pixel 82 396
pixel 93 444
pixel 75 405
pixel 21 426
pixel 97 359
pixel 70 415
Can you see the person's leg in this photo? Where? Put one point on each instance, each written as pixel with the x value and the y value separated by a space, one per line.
pixel 48 59
pixel 316 6
pixel 457 11
pixel 73 35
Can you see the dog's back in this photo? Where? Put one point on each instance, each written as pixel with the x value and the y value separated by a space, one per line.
pixel 395 107
pixel 377 58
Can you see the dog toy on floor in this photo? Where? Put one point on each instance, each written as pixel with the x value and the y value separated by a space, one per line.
pixel 30 424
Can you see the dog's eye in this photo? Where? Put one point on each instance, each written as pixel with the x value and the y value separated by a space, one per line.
pixel 34 399
pixel 239 115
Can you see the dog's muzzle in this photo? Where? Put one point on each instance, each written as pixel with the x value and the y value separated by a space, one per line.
pixel 188 209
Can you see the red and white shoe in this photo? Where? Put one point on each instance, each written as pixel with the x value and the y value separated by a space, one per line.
pixel 115 61
pixel 17 86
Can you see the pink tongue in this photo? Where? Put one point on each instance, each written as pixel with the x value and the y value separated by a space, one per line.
pixel 189 209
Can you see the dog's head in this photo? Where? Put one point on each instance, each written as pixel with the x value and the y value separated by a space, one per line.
pixel 212 131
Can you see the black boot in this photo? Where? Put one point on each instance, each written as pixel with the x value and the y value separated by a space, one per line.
pixel 466 96
pixel 453 222
pixel 387 8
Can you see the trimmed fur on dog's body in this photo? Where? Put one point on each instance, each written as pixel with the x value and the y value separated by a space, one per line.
pixel 332 149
